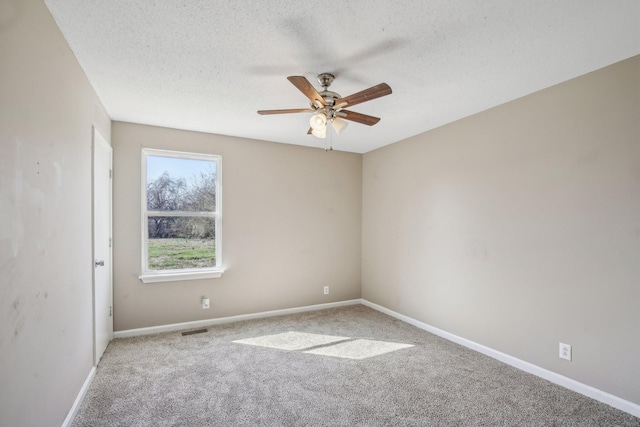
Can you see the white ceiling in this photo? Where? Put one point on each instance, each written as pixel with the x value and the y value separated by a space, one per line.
pixel 209 65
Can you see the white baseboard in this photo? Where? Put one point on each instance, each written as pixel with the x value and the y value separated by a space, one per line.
pixel 76 404
pixel 587 390
pixel 210 322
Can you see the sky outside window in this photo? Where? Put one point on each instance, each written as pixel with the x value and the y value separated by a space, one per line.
pixel 177 168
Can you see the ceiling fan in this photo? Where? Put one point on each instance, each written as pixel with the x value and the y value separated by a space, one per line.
pixel 328 107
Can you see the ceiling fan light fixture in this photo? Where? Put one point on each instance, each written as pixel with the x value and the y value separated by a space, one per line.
pixel 318 122
pixel 320 133
pixel 339 124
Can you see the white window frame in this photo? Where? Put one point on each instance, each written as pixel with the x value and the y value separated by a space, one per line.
pixel 153 276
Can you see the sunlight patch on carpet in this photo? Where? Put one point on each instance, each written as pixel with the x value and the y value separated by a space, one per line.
pixel 359 349
pixel 291 340
pixel 325 345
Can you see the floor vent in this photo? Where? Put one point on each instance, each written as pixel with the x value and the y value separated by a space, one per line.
pixel 195 331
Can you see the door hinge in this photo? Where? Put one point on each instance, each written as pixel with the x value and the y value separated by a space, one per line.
pixel 110 310
pixel 110 173
pixel 109 241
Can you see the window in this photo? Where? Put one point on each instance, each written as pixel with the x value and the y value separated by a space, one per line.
pixel 181 216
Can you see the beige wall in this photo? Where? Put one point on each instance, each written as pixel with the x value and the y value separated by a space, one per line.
pixel 519 227
pixel 291 225
pixel 47 109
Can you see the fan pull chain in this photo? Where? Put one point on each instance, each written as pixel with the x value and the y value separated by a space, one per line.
pixel 329 144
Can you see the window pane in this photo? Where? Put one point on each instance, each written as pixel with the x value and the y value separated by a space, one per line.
pixel 181 242
pixel 176 184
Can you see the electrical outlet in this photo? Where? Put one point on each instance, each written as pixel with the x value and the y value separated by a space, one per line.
pixel 205 303
pixel 565 351
pixel 326 290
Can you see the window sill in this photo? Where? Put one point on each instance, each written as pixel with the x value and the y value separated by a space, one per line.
pixel 174 277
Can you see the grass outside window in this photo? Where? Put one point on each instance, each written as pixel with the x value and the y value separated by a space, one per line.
pixel 176 254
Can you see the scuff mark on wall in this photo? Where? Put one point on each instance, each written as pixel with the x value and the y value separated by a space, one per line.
pixel 30 193
pixel 16 318
pixel 477 250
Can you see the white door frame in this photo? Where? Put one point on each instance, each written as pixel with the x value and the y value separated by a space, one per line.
pixel 102 290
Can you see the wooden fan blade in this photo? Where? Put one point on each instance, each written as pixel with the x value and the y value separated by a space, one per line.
pixel 307 89
pixel 293 110
pixel 366 95
pixel 359 118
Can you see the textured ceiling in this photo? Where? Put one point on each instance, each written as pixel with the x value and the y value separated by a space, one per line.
pixel 209 65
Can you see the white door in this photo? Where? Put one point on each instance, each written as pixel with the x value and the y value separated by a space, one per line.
pixel 102 266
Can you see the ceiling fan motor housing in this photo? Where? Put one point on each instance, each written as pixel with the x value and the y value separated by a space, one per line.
pixel 325 79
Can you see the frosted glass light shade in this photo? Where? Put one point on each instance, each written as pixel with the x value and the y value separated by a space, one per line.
pixel 320 133
pixel 318 121
pixel 339 124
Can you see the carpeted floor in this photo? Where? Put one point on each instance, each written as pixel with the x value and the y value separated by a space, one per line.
pixel 349 366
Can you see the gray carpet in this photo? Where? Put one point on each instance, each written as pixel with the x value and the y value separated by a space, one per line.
pixel 210 380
